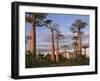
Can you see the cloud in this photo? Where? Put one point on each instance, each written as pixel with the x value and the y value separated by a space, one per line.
pixel 67 33
pixel 85 34
pixel 43 45
pixel 42 50
pixel 43 41
pixel 85 37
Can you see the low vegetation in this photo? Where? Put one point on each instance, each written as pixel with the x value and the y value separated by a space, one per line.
pixel 45 61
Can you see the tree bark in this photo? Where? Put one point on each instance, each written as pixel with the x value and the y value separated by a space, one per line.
pixel 52 47
pixel 57 48
pixel 79 44
pixel 33 40
pixel 75 49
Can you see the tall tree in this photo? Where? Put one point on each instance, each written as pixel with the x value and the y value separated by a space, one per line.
pixel 58 36
pixel 36 19
pixel 48 24
pixel 57 47
pixel 54 27
pixel 77 27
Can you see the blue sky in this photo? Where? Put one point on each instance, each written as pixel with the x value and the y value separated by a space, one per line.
pixel 65 21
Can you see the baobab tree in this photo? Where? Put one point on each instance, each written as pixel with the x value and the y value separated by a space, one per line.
pixel 58 37
pixel 54 28
pixel 77 27
pixel 48 24
pixel 57 47
pixel 36 19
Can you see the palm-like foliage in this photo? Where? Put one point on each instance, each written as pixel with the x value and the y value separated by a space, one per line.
pixel 78 25
pixel 39 18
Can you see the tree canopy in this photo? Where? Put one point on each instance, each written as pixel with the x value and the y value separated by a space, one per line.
pixel 39 18
pixel 78 25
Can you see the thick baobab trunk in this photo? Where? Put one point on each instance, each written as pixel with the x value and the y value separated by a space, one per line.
pixel 52 47
pixel 57 48
pixel 79 44
pixel 33 40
